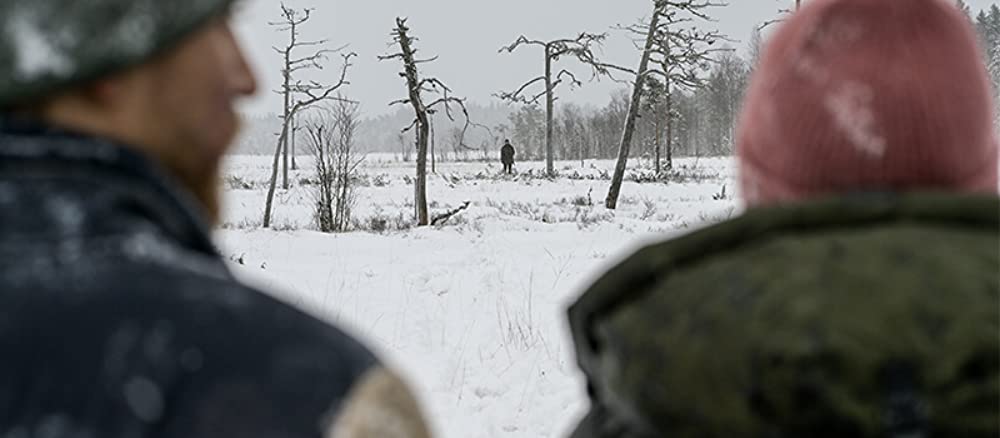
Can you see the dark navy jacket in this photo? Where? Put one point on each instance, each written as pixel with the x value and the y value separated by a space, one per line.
pixel 118 318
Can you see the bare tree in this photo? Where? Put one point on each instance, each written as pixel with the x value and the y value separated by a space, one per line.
pixel 582 49
pixel 416 87
pixel 298 94
pixel 633 111
pixel 295 130
pixel 433 138
pixel 681 51
pixel 331 141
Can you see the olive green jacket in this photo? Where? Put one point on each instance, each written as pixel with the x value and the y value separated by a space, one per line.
pixel 873 315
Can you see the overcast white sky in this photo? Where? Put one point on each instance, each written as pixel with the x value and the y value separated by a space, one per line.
pixel 466 34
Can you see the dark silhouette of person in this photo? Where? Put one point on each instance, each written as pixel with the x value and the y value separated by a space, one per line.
pixel 507 157
pixel 120 316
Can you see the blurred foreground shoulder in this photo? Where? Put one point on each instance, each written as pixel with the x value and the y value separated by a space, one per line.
pixel 380 405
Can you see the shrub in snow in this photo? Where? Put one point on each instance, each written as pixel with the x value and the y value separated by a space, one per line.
pixel 236 182
pixel 588 217
pixel 336 163
pixel 381 222
pixel 648 209
pixel 243 224
pixel 381 180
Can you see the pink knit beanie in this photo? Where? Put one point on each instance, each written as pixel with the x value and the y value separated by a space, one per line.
pixel 868 95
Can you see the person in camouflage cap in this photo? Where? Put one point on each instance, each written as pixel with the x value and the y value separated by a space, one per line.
pixel 120 318
pixel 859 295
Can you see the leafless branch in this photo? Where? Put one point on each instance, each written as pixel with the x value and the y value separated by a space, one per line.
pixel 424 61
pixel 327 94
pixel 771 22
pixel 516 96
pixel 411 125
pixel 521 40
pixel 388 57
pixel 559 78
pixel 681 48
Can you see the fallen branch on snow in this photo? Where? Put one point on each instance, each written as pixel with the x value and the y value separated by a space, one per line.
pixel 441 218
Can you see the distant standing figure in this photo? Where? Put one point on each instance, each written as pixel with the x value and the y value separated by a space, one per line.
pixel 507 157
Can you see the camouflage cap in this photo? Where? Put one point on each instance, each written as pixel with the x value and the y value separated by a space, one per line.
pixel 50 45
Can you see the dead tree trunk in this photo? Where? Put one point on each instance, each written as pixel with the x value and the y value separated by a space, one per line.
pixel 284 164
pixel 295 128
pixel 433 143
pixel 274 179
pixel 292 21
pixel 415 87
pixel 550 168
pixel 422 121
pixel 286 91
pixel 633 112
pixel 283 141
pixel 420 191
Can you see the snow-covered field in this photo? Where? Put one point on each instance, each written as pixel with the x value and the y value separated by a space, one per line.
pixel 472 312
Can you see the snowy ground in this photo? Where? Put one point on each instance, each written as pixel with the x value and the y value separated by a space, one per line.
pixel 473 311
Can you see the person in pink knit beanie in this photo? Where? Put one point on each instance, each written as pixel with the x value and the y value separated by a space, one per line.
pixel 859 294
pixel 868 95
